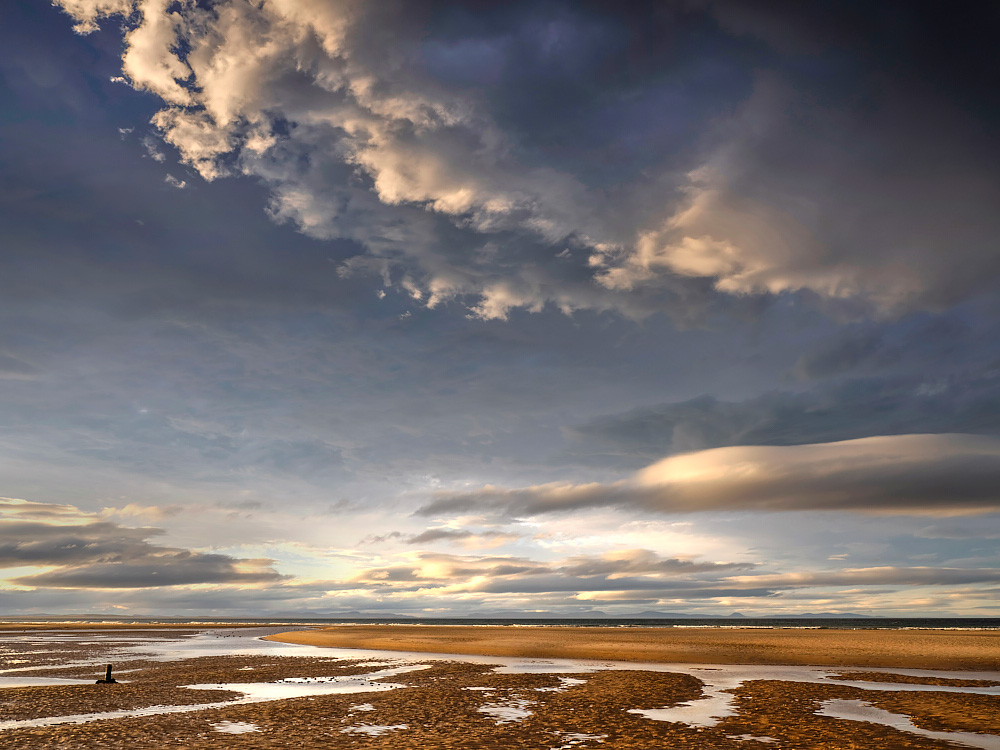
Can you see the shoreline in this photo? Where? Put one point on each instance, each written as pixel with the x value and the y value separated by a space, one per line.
pixel 7 627
pixel 903 649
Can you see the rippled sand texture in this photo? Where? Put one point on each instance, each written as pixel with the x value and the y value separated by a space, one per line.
pixel 441 705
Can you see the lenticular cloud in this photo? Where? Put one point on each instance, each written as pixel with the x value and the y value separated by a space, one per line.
pixel 943 474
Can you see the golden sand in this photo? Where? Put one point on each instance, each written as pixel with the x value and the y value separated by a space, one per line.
pixel 916 649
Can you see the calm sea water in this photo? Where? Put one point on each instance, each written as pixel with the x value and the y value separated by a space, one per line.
pixel 859 623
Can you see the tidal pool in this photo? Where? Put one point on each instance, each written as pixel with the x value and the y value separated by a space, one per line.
pixel 855 710
pixel 252 692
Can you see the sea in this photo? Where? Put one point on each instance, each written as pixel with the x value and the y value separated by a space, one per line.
pixel 839 623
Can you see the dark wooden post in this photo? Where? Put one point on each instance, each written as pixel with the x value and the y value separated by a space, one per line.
pixel 108 679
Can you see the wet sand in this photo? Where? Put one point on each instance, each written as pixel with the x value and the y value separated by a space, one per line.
pixel 439 710
pixel 905 679
pixel 449 705
pixel 914 649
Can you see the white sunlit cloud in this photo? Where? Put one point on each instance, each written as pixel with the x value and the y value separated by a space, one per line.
pixel 321 102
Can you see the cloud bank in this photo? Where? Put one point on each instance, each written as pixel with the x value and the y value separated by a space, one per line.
pixel 82 551
pixel 640 570
pixel 618 576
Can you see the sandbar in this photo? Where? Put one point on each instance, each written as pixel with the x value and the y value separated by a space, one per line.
pixel 910 649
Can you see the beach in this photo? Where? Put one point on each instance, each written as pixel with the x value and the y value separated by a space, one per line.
pixel 344 687
pixel 916 649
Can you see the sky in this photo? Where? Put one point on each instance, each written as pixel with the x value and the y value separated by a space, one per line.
pixel 441 308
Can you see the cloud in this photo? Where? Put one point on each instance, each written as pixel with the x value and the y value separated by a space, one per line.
pixel 295 93
pixel 88 12
pixel 87 552
pixel 134 510
pixel 627 575
pixel 432 149
pixel 437 570
pixel 960 531
pixel 790 200
pixel 880 576
pixel 833 412
pixel 152 148
pixel 159 567
pixel 22 510
pixel 915 474
pixel 619 570
pixel 621 563
pixel 464 537
pixel 196 600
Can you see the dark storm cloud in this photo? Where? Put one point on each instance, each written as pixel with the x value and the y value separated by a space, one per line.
pixel 857 408
pixel 100 554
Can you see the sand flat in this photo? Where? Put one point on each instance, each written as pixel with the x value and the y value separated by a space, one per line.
pixel 913 649
pixel 452 704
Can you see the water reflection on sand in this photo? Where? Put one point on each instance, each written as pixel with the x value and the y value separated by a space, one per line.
pixel 251 692
pixel 716 703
